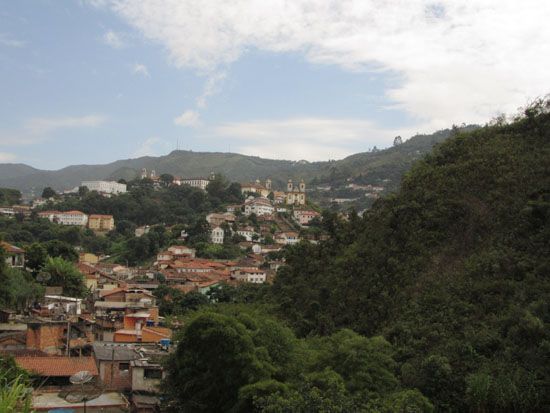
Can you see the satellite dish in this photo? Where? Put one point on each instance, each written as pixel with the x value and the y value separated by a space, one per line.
pixel 82 377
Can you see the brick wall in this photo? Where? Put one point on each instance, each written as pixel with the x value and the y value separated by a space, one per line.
pixel 113 377
pixel 46 337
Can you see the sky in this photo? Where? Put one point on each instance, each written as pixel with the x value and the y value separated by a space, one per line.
pixel 93 81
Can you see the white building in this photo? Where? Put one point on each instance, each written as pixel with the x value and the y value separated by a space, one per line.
pixel 216 236
pixel 201 183
pixel 258 206
pixel 287 238
pixel 249 274
pixel 77 218
pixel 247 233
pixel 105 187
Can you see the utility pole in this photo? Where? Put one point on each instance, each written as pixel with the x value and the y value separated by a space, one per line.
pixel 68 347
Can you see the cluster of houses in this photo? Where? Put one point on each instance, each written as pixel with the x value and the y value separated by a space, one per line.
pixel 294 194
pixel 268 206
pixel 115 334
pixel 182 270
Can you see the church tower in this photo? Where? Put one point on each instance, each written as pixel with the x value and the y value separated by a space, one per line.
pixel 268 184
pixel 289 185
pixel 302 186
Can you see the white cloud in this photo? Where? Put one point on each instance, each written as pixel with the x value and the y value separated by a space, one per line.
pixel 189 118
pixel 39 129
pixel 6 40
pixel 304 138
pixel 211 87
pixel 113 39
pixel 454 61
pixel 140 69
pixel 153 146
pixel 7 157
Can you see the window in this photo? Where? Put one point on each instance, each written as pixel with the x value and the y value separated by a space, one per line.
pixel 124 366
pixel 152 374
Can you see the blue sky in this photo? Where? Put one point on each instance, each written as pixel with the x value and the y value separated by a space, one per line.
pixel 99 80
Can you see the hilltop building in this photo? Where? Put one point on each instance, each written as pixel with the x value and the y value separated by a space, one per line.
pixel 105 187
pixel 199 182
pixel 257 188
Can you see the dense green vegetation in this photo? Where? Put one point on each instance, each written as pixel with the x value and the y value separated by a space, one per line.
pixel 9 197
pixel 238 359
pixel 448 278
pixel 15 394
pixel 168 210
pixel 452 270
pixel 18 288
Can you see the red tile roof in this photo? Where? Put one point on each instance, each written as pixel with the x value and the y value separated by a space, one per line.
pixel 12 249
pixel 57 366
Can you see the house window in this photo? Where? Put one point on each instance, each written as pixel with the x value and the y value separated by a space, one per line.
pixel 152 374
pixel 124 366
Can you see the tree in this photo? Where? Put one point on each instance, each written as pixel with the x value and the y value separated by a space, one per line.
pixel 166 179
pixel 48 193
pixel 83 191
pixel 215 357
pixel 35 257
pixel 59 272
pixel 398 140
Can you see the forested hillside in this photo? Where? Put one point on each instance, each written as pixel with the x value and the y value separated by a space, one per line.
pixel 453 271
pixel 445 286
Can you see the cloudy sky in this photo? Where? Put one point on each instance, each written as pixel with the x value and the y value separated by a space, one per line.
pixel 92 81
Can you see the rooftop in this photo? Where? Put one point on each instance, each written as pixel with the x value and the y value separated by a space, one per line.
pixel 114 352
pixel 51 401
pixel 57 366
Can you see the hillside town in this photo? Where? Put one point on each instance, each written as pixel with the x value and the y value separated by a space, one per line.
pixel 116 330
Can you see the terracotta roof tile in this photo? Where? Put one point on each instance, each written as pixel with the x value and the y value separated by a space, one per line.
pixel 57 366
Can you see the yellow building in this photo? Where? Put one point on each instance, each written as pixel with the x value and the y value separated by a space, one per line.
pixel 88 258
pixel 102 223
pixel 257 188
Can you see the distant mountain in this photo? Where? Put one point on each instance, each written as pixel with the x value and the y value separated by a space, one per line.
pixel 15 170
pixel 389 164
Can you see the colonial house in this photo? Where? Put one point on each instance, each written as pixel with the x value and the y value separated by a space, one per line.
pixel 249 274
pixel 246 232
pixel 101 223
pixel 201 183
pixel 15 256
pixel 215 219
pixel 305 216
pixel 287 238
pixel 76 218
pixel 257 188
pixel 217 235
pixel 258 206
pixel 105 187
